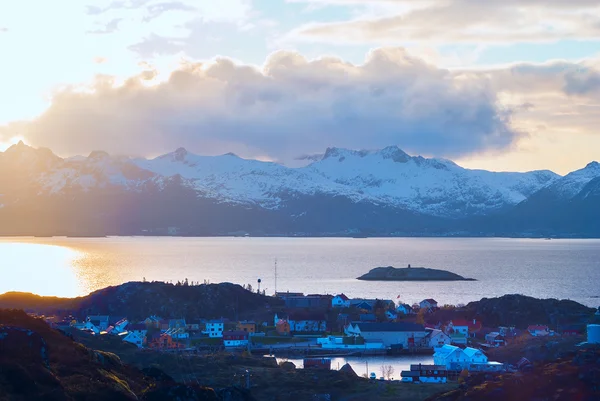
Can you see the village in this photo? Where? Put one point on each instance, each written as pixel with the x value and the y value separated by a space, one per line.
pixel 317 327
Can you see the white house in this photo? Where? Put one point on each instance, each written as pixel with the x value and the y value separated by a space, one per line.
pixel 455 358
pixel 98 321
pixel 428 304
pixel 214 328
pixel 340 301
pixel 120 326
pixel 436 338
pixel 538 330
pixel 134 338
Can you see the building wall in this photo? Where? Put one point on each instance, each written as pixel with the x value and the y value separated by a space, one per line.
pixel 235 343
pixel 393 338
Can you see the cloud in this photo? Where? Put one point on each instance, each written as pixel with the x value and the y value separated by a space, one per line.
pixel 111 27
pixel 289 107
pixel 471 21
pixel 3 29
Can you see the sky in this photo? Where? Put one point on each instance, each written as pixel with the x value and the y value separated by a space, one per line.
pixel 504 85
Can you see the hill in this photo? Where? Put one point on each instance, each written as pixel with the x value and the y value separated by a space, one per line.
pixel 519 311
pixel 38 363
pixel 138 300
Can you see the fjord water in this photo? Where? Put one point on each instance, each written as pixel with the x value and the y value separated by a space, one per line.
pixel 566 269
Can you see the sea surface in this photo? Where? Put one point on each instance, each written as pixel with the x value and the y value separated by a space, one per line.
pixel 558 268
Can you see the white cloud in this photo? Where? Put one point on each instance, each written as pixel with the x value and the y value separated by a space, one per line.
pixel 471 21
pixel 289 107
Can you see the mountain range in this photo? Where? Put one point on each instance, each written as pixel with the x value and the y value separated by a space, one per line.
pixel 342 192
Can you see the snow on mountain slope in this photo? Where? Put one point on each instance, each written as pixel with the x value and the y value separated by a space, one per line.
pixel 387 177
pixel 571 184
pixel 434 186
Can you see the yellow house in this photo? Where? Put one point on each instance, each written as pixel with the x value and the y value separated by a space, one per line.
pixel 247 326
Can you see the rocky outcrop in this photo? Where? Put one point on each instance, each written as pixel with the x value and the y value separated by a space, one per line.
pixel 411 274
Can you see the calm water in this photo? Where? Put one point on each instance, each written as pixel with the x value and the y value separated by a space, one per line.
pixel 75 266
pixel 362 365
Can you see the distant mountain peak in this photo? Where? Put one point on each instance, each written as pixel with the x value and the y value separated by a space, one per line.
pixel 98 154
pixel 394 153
pixel 180 154
pixel 593 165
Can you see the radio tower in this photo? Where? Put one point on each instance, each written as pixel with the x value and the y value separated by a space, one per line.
pixel 275 276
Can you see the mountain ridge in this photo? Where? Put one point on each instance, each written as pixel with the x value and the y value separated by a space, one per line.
pixel 384 192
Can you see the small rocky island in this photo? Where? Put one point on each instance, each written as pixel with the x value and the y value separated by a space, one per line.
pixel 411 274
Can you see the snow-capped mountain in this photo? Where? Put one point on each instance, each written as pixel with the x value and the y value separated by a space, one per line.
pixel 341 191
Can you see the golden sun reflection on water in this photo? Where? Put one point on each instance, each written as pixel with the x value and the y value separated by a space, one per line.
pixel 39 268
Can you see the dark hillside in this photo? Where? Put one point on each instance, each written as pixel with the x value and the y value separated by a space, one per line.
pixel 138 300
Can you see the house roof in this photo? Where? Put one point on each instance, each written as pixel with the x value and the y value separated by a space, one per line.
pixel 343 297
pixel 399 326
pixel 473 326
pixel 306 315
pixel 405 306
pixel 215 321
pixel 446 349
pixel 430 300
pixel 471 351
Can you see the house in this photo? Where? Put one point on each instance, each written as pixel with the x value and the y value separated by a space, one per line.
pixel 119 326
pixel 307 322
pixel 247 326
pixel 236 338
pixel 163 341
pixel 134 338
pixel 99 321
pixel 405 309
pixel 405 335
pixel 363 305
pixel 436 338
pixel 138 328
pixel 425 374
pixel 153 321
pixel 455 358
pixel 572 330
pixel 428 304
pixel 463 327
pixel 284 295
pixel 214 328
pixel 340 301
pixel 391 315
pixel 495 339
pixel 282 327
pixel 178 333
pixel 538 330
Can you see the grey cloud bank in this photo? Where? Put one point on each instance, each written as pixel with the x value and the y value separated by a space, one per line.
pixel 291 106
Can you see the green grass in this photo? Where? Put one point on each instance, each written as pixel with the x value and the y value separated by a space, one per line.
pixel 207 341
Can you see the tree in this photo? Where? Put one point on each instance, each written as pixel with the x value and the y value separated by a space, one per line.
pixel 421 316
pixel 249 287
pixel 387 371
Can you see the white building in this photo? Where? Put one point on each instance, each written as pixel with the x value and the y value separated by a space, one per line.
pixel 214 328
pixel 340 301
pixel 407 335
pixel 455 358
pixel 436 338
pixel 428 304
pixel 99 322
